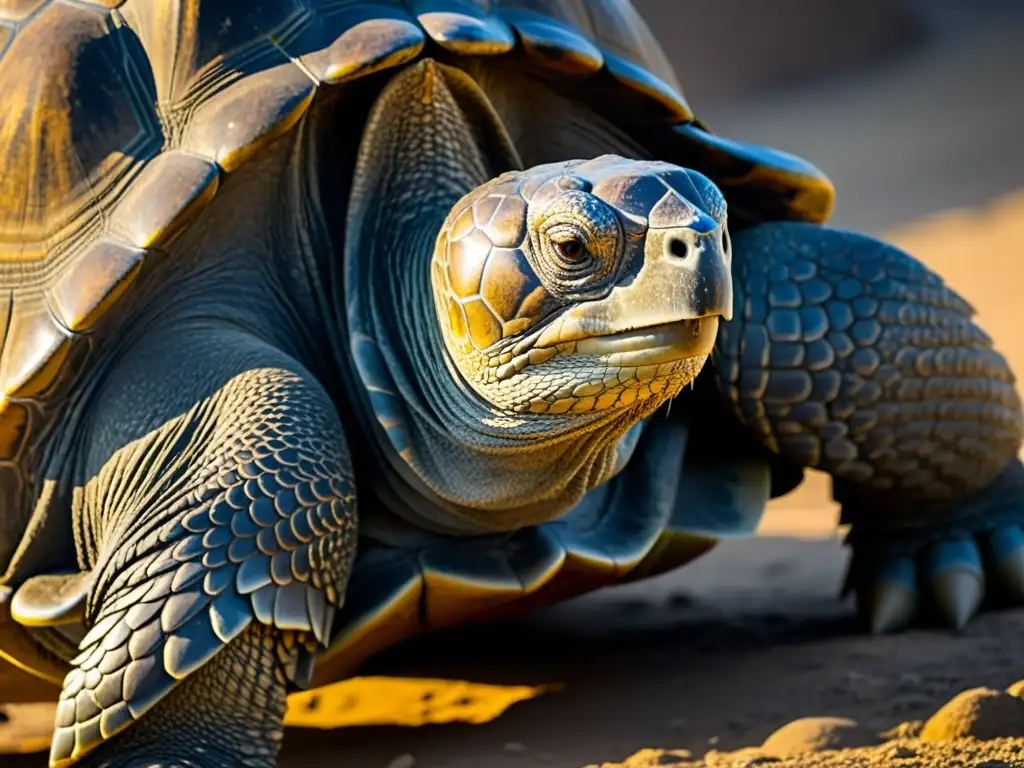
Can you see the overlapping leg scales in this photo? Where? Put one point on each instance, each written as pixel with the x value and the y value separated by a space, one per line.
pixel 228 712
pixel 223 536
pixel 847 355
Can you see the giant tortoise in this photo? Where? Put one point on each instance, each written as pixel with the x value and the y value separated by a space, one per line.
pixel 455 259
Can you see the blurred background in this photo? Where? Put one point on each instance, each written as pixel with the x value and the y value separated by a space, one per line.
pixel 915 108
pixel 911 106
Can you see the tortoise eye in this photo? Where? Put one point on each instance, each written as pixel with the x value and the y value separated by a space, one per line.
pixel 571 249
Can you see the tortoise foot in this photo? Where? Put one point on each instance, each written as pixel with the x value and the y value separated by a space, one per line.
pixel 944 572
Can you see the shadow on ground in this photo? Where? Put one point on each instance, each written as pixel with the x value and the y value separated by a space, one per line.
pixel 717 655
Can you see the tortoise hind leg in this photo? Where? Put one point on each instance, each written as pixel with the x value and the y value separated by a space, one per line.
pixel 847 355
pixel 218 518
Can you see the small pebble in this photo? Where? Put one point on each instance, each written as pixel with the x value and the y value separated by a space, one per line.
pixel 980 713
pixel 402 761
pixel 813 734
pixel 514 748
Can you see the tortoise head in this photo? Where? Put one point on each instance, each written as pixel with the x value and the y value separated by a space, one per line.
pixel 583 287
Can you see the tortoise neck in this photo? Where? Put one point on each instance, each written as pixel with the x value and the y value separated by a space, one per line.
pixel 467 467
pixel 464 467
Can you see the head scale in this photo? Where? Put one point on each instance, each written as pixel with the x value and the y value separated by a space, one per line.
pixel 583 287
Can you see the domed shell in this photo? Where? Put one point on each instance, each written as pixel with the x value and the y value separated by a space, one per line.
pixel 123 117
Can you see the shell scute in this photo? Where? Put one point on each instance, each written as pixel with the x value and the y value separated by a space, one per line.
pixel 772 183
pixel 651 89
pixel 620 30
pixel 195 46
pixel 94 283
pixel 464 27
pixel 552 44
pixel 460 582
pixel 234 125
pixel 354 40
pixel 617 44
pixel 170 192
pixel 94 136
pixel 34 351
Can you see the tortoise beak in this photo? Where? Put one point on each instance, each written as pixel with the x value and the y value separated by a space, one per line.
pixel 685 278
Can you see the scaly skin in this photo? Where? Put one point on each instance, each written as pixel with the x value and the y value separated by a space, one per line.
pixel 228 713
pixel 235 514
pixel 849 356
pixel 213 500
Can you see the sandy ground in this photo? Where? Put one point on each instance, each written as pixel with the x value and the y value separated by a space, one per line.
pixel 719 655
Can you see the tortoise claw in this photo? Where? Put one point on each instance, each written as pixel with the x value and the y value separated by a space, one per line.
pixel 957 596
pixel 955 577
pixel 893 599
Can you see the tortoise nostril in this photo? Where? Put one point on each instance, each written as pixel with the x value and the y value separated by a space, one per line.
pixel 679 248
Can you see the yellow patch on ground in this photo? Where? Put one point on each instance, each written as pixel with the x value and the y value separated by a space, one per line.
pixel 403 701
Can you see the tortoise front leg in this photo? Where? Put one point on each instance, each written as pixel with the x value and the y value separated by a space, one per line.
pixel 217 514
pixel 847 355
pixel 228 713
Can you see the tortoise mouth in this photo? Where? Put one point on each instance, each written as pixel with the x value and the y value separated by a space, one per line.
pixel 625 370
pixel 648 345
pixel 652 345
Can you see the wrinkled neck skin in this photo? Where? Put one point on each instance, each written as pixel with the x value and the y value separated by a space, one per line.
pixel 486 471
pixel 447 461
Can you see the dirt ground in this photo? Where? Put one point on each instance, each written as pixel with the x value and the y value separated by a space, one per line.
pixel 717 656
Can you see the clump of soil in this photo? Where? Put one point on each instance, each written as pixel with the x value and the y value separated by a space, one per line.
pixel 813 734
pixel 979 713
pixel 977 728
pixel 1005 753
